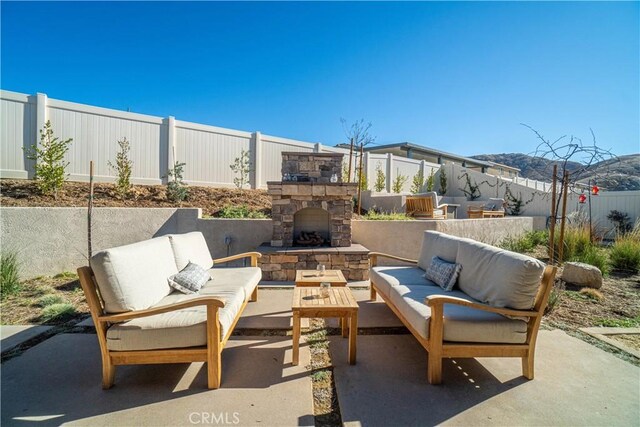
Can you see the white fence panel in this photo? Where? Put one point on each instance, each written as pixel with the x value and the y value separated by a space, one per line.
pixel 96 131
pixel 375 161
pixel 208 152
pixel 624 201
pixel 17 133
pixel 272 148
pixel 406 167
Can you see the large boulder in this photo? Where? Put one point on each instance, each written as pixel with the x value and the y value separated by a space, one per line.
pixel 581 274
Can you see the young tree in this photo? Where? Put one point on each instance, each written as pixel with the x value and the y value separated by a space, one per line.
pixel 381 179
pixel 177 190
pixel 241 166
pixel 443 181
pixel 50 165
pixel 358 133
pixel 418 182
pixel 399 182
pixel 430 181
pixel 123 167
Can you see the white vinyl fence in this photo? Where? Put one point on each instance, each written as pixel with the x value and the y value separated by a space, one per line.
pixel 208 151
pixel 156 143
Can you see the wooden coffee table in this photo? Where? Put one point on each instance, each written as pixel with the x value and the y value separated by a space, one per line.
pixel 307 302
pixel 310 278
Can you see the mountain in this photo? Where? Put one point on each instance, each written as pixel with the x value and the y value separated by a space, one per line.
pixel 618 174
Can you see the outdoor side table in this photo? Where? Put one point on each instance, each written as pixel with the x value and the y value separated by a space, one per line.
pixel 307 302
pixel 311 278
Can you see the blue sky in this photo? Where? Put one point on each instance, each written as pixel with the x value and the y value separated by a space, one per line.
pixel 459 77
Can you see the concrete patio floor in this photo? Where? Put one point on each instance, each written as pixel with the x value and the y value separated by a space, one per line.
pixel 58 382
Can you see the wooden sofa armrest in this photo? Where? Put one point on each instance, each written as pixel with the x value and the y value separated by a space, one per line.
pixel 253 255
pixel 373 256
pixel 440 300
pixel 209 301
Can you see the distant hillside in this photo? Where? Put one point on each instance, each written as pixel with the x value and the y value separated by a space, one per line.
pixel 621 174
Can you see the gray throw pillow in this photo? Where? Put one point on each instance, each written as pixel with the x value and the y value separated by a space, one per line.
pixel 443 273
pixel 190 279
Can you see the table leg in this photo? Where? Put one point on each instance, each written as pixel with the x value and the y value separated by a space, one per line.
pixel 296 338
pixel 353 334
pixel 344 326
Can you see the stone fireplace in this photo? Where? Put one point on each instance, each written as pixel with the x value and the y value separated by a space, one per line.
pixel 308 200
pixel 311 200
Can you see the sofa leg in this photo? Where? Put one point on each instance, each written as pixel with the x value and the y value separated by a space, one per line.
pixel 527 366
pixel 372 293
pixel 434 369
pixel 254 295
pixel 108 374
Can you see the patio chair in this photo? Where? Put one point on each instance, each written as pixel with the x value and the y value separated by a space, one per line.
pixel 493 208
pixel 426 206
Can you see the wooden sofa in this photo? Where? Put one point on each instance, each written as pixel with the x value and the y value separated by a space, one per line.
pixel 138 317
pixel 494 311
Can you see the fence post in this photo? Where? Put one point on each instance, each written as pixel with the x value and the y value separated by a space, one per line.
pixel 171 146
pixel 389 172
pixel 256 156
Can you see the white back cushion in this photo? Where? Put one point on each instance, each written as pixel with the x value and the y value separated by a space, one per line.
pixel 191 247
pixel 498 277
pixel 134 277
pixel 437 244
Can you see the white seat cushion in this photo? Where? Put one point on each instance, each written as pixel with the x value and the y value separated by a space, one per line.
pixel 134 277
pixel 247 277
pixel 178 329
pixel 191 247
pixel 461 324
pixel 386 277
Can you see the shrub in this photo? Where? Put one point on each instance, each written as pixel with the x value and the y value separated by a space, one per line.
pixel 554 298
pixel 241 167
pixel 57 312
pixel 576 242
pixel 594 256
pixel 123 167
pixel 527 242
pixel 625 252
pixel 443 181
pixel 50 165
pixel 430 181
pixel 9 274
pixel 177 190
pixel 381 216
pixel 364 185
pixel 620 220
pixel 398 182
pixel 381 179
pixel 418 182
pixel 242 211
pixel 49 299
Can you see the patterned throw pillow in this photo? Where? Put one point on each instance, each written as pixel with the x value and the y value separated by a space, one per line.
pixel 443 273
pixel 190 279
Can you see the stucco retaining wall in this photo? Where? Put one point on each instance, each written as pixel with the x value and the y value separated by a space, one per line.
pixel 404 238
pixel 51 240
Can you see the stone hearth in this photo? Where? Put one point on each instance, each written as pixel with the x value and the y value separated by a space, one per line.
pixel 280 264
